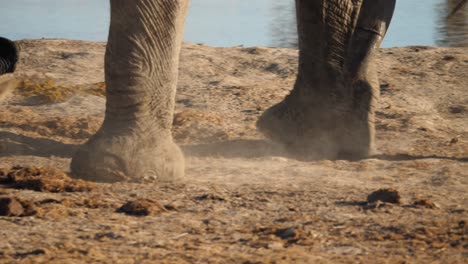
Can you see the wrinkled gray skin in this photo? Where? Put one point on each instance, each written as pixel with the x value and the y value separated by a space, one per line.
pixel 328 114
pixel 141 67
pixel 330 111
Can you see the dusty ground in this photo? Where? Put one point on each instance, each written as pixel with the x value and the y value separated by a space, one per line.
pixel 244 201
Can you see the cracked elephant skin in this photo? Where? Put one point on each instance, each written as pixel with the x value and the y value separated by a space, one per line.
pixel 329 113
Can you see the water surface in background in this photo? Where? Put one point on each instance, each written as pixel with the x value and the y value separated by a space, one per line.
pixel 228 22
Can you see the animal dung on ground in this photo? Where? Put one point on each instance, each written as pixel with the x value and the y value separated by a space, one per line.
pixel 384 195
pixel 42 179
pixel 142 207
pixel 12 206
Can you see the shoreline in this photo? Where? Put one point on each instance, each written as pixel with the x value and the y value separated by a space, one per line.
pixel 235 46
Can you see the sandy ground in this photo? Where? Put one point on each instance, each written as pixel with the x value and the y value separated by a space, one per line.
pixel 244 200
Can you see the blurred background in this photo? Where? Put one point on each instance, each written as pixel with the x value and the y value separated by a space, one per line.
pixel 229 22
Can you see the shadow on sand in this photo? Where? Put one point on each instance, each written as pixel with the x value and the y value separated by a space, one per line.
pixel 237 148
pixel 244 148
pixel 12 144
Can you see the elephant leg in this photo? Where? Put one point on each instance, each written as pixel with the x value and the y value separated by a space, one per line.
pixel 134 142
pixel 8 56
pixel 329 113
pixel 360 73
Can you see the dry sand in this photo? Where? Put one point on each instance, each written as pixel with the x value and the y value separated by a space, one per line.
pixel 244 200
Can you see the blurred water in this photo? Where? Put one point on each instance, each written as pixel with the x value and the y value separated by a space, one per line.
pixel 228 22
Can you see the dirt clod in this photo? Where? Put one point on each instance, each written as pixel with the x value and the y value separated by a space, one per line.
pixel 384 195
pixel 43 179
pixel 288 234
pixel 457 109
pixel 12 206
pixel 454 140
pixel 426 203
pixel 210 196
pixel 142 207
pixel 31 253
pixel 285 233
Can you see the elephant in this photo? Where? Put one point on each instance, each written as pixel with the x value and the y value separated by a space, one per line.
pixel 329 113
pixel 8 56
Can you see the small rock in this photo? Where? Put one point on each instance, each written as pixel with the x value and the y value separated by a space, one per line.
pixel 10 207
pixel 289 234
pixel 454 140
pixel 457 211
pixel 253 50
pixel 456 109
pixel 448 58
pixel 35 252
pixel 285 233
pixel 462 224
pixel 210 196
pixel 384 195
pixel 142 207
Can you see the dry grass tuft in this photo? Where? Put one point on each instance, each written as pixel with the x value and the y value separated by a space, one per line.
pixel 47 91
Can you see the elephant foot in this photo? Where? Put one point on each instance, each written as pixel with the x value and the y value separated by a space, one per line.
pixel 312 131
pixel 133 158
